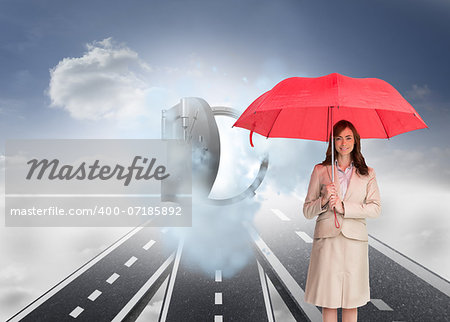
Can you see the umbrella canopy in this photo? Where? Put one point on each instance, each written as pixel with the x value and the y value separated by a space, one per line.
pixel 307 108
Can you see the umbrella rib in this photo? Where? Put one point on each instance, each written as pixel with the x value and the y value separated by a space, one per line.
pixel 382 123
pixel 279 112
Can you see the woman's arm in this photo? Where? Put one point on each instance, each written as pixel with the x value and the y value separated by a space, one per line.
pixel 313 201
pixel 371 207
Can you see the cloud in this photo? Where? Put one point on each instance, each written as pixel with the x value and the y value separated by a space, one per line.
pixel 107 82
pixel 53 253
pixel 11 274
pixel 151 311
pixel 239 163
pixel 418 92
pixel 10 107
pixel 217 239
pixel 412 221
pixel 12 298
pixel 413 184
pixel 425 164
pixel 13 295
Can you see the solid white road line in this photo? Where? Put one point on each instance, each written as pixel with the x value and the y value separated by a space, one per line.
pixel 143 290
pixel 131 261
pixel 149 244
pixel 218 318
pixel 112 278
pixel 218 275
pixel 77 311
pixel 381 305
pixel 425 274
pixel 170 286
pixel 218 298
pixel 94 295
pixel 304 236
pixel 280 214
pixel 266 293
pixel 283 275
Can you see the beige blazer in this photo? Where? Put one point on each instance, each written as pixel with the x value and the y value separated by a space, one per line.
pixel 361 200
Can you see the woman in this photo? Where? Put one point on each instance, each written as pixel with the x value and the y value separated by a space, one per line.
pixel 338 273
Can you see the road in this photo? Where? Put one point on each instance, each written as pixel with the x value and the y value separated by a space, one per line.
pixel 118 284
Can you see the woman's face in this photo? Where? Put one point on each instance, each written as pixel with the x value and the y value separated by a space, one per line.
pixel 344 142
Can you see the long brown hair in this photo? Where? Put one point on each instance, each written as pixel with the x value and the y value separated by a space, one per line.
pixel 357 157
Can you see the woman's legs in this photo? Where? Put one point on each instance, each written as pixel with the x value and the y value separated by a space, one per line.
pixel 350 315
pixel 329 315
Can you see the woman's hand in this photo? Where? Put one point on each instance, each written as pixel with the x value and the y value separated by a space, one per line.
pixel 327 191
pixel 329 194
pixel 336 202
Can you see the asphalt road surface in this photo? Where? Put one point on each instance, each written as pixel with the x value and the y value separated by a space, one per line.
pixel 118 283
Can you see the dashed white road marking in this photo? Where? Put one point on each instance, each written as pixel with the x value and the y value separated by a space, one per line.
pixel 280 215
pixel 94 295
pixel 149 244
pixel 304 236
pixel 381 305
pixel 131 261
pixel 76 311
pixel 112 278
pixel 27 310
pixel 218 298
pixel 218 275
pixel 218 318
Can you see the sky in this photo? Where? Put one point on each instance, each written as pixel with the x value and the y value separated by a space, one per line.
pixel 106 69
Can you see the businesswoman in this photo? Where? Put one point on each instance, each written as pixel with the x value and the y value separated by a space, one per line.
pixel 338 273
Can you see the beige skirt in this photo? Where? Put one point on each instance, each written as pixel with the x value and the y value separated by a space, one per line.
pixel 338 273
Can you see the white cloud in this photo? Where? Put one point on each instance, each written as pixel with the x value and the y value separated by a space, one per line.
pixel 151 312
pixel 239 162
pixel 53 253
pixel 418 92
pixel 13 273
pixel 11 107
pixel 107 82
pixel 413 223
pixel 414 184
pixel 423 164
pixel 14 298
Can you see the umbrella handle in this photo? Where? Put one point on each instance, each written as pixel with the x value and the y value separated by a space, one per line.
pixel 336 221
pixel 251 140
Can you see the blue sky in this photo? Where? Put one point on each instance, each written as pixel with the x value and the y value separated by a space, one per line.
pixel 105 69
pixel 402 42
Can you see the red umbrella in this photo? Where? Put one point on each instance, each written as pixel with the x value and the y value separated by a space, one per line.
pixel 308 108
pixel 301 107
